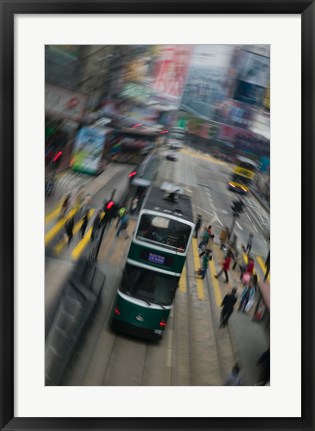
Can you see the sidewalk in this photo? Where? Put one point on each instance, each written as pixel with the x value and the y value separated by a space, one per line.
pixel 248 341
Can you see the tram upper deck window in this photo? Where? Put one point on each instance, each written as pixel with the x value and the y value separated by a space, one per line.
pixel 149 285
pixel 164 232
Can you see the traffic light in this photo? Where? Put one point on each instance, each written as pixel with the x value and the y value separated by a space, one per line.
pixel 237 207
pixel 109 209
pixel 109 205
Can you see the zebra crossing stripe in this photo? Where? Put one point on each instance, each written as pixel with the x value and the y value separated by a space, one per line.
pixel 57 227
pixel 61 244
pixel 53 214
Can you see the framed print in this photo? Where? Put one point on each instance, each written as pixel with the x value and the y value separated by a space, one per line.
pixel 135 251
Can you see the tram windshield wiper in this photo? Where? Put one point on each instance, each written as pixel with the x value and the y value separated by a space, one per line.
pixel 161 305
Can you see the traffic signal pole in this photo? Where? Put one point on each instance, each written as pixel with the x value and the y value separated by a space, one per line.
pixel 95 251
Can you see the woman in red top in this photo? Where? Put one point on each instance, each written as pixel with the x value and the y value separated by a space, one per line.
pixel 225 267
pixel 248 269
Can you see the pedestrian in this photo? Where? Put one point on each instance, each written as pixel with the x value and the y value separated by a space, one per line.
pixel 78 196
pixel 238 260
pixel 96 223
pixel 248 269
pixel 65 205
pixel 206 256
pixel 225 267
pixel 249 244
pixel 234 378
pixel 233 243
pixel 204 240
pixel 121 212
pixel 227 307
pixel 224 234
pixel 69 229
pixel 84 224
pixel 197 225
pixel 245 296
pixel 263 365
pixel 267 263
pixel 123 225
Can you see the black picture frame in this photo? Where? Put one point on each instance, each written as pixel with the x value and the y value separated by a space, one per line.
pixel 9 8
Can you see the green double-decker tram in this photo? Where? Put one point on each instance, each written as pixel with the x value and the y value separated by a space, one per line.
pixel 154 264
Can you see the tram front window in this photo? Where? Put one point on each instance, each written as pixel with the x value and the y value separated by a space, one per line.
pixel 149 285
pixel 164 231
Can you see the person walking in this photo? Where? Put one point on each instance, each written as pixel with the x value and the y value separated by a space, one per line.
pixel 224 234
pixel 204 240
pixel 121 212
pixel 65 205
pixel 246 294
pixel 249 244
pixel 84 224
pixel 123 225
pixel 234 378
pixel 248 269
pixel 225 267
pixel 96 224
pixel 238 260
pixel 197 225
pixel 227 307
pixel 206 256
pixel 69 229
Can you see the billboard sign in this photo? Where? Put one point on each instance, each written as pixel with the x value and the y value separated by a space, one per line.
pixel 205 86
pixel 88 149
pixel 171 69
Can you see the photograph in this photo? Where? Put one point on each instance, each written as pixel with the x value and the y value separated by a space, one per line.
pixel 157 215
pixel 152 154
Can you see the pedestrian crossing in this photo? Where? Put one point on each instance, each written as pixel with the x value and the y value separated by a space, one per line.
pixel 114 250
pixel 220 289
pixel 56 240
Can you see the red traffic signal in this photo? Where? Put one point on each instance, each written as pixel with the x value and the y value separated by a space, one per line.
pixel 110 205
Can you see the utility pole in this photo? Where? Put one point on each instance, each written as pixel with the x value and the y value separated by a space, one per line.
pixel 237 208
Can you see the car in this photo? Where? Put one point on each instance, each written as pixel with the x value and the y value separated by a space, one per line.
pixel 171 155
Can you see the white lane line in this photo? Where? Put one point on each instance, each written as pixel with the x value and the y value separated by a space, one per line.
pixel 238 225
pixel 255 228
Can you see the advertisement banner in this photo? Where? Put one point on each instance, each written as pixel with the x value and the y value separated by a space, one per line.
pixel 171 69
pixel 88 149
pixel 205 86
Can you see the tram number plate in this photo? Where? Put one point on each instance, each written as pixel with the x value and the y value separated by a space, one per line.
pixel 158 331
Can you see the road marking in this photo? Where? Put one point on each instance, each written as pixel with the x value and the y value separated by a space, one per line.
pixel 182 281
pixel 199 283
pixel 215 283
pixel 238 225
pixel 263 266
pixel 54 213
pixel 55 229
pixel 255 227
pixel 61 244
